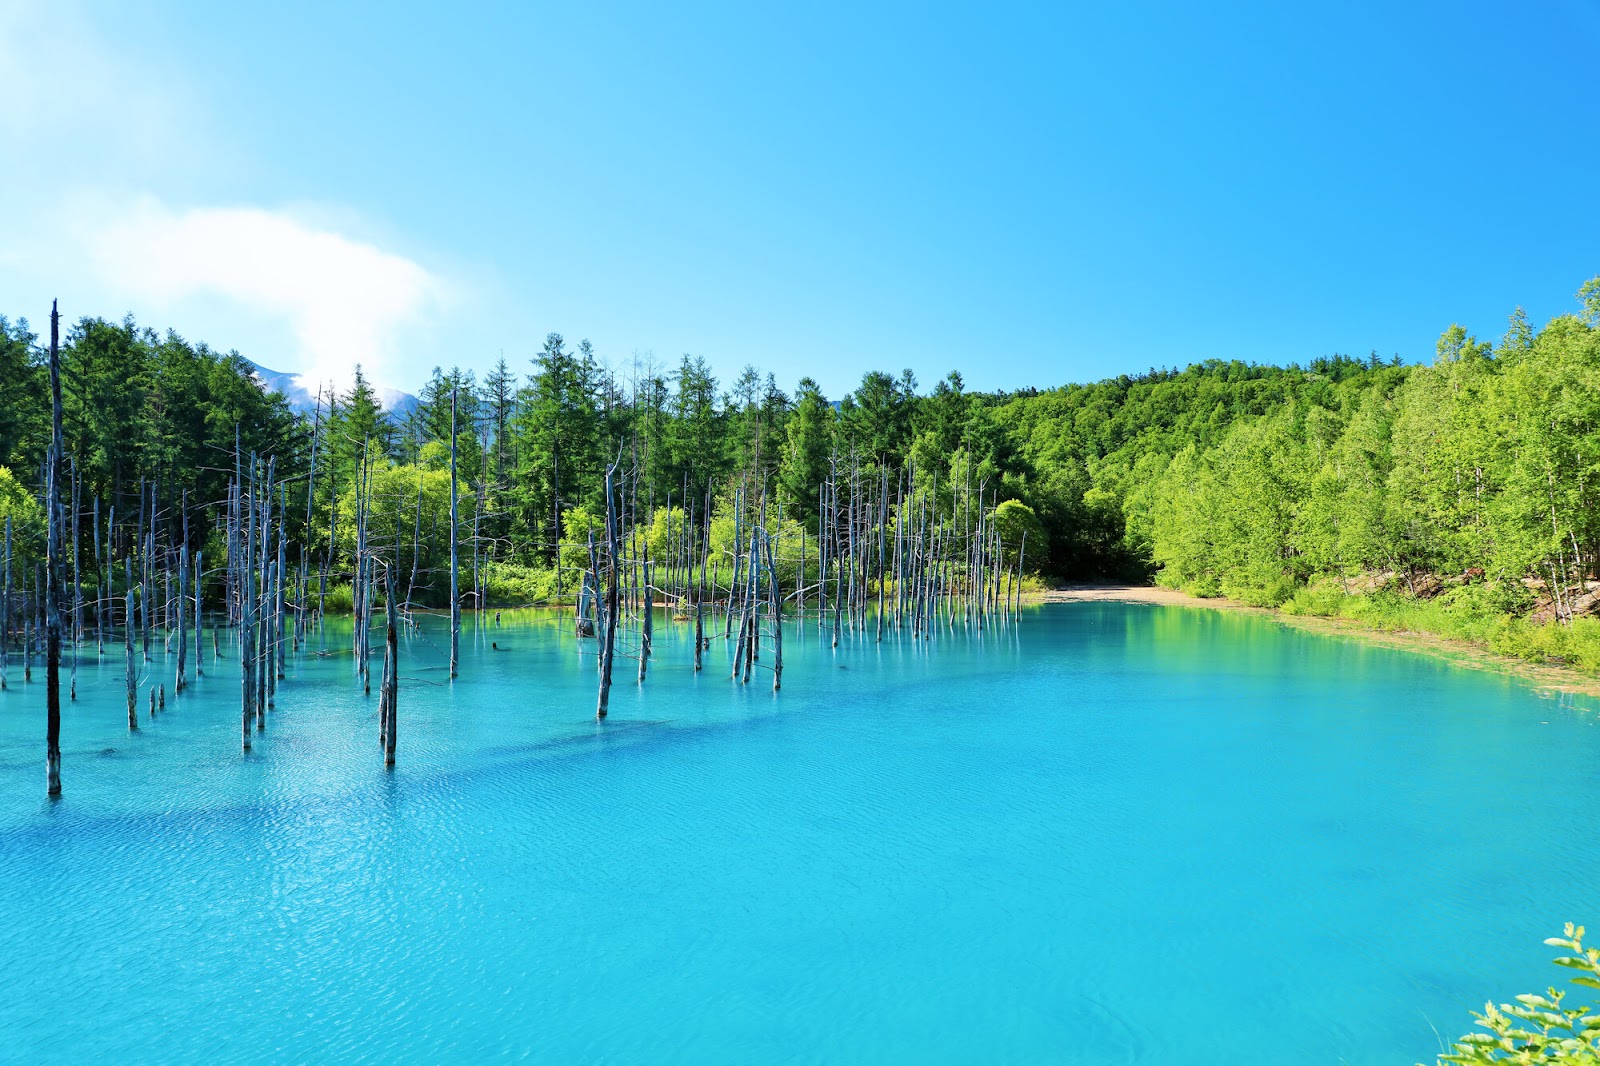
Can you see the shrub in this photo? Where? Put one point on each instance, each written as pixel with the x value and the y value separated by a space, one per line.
pixel 339 599
pixel 511 585
pixel 1263 588
pixel 1538 1029
pixel 1033 583
pixel 1322 599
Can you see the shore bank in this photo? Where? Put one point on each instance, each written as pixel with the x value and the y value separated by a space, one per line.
pixel 1543 676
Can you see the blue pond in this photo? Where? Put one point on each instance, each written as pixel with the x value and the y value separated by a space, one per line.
pixel 1104 834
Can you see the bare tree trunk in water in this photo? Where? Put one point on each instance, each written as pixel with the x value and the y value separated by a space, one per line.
pixel 775 599
pixel 199 646
pixel 609 641
pixel 647 631
pixel 77 579
pixel 455 567
pixel 183 614
pixel 127 645
pixel 388 695
pixel 51 588
pixel 699 601
pixel 5 612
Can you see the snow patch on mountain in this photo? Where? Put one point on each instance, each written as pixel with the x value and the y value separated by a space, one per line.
pixel 301 392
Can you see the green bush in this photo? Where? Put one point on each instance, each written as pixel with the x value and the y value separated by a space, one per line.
pixel 1262 589
pixel 339 599
pixel 1033 584
pixel 1537 1029
pixel 1576 645
pixel 1489 614
pixel 1320 599
pixel 510 585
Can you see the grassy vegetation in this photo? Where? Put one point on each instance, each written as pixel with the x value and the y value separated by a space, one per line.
pixel 511 585
pixel 340 599
pixel 1481 614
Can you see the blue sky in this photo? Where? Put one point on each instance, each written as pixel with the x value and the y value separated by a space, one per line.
pixel 1030 194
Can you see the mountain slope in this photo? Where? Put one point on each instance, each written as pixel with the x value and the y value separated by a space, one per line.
pixel 302 396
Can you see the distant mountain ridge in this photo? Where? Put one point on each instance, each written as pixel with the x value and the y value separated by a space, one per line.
pixel 302 395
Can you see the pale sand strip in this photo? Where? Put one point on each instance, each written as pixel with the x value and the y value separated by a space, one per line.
pixel 1133 594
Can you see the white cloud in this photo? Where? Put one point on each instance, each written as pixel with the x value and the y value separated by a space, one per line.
pixel 106 207
pixel 344 301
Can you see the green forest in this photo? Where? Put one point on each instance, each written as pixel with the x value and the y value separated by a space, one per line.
pixel 1457 496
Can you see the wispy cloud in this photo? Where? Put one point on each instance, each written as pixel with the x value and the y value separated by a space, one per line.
pixel 106 208
pixel 344 301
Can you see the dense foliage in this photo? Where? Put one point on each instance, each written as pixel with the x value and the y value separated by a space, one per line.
pixel 1481 466
pixel 1476 475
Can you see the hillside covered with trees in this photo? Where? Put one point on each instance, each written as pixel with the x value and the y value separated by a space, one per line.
pixel 1276 485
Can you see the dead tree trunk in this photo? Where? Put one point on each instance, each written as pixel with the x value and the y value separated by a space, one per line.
pixel 699 596
pixel 52 640
pixel 131 671
pixel 647 626
pixel 775 601
pixel 5 612
pixel 244 581
pixel 261 657
pixel 199 653
pixel 77 580
pixel 589 595
pixel 388 696
pixel 455 575
pixel 280 603
pixel 183 587
pixel 1022 549
pixel 609 641
pixel 102 601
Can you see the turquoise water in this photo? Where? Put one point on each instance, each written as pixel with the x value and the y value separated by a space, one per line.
pixel 1108 834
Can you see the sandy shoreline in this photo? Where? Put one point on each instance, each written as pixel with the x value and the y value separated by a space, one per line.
pixel 1459 652
pixel 1134 594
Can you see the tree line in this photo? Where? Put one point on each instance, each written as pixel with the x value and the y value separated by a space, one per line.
pixel 1250 480
pixel 1480 470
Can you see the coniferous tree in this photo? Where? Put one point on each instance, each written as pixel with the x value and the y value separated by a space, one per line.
pixel 499 394
pixel 22 389
pixel 695 443
pixel 805 459
pixel 558 441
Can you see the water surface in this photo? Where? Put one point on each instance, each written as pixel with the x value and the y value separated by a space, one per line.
pixel 1107 834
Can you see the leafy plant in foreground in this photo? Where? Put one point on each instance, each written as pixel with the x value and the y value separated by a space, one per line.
pixel 1538 1029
